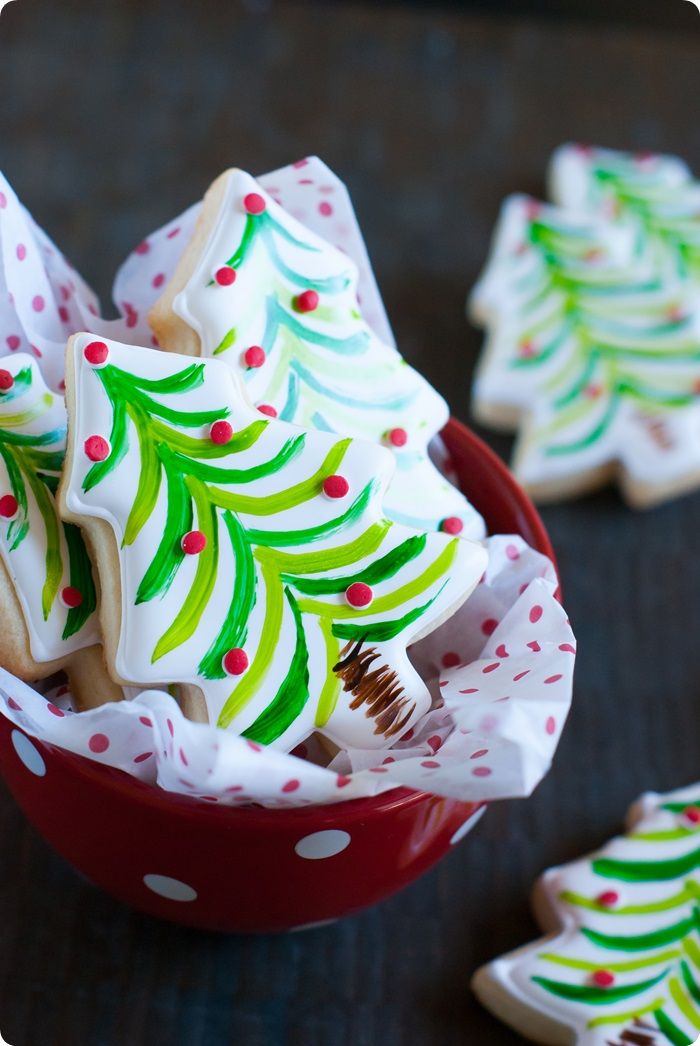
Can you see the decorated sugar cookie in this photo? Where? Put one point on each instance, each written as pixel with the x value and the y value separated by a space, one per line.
pixel 47 592
pixel 308 190
pixel 252 563
pixel 622 963
pixel 593 352
pixel 654 195
pixel 257 289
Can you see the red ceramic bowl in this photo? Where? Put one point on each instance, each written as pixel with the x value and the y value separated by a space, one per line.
pixel 253 870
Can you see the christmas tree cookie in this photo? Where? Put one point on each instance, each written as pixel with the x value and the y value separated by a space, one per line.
pixel 276 302
pixel 47 593
pixel 622 963
pixel 593 352
pixel 247 560
pixel 652 194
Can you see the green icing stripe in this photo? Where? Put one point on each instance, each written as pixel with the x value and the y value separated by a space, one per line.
pixel 169 555
pixel 382 569
pixel 187 620
pixel 80 577
pixel 647 871
pixel 204 448
pixel 226 342
pixel 234 630
pixel 673 1033
pixel 215 474
pixel 623 1018
pixel 21 439
pixel 146 497
pixel 185 380
pixel 411 590
pixel 594 996
pixel 689 981
pixel 264 655
pixel 19 527
pixel 644 941
pixel 329 558
pixel 690 892
pixel 331 688
pixel 615 967
pixel 272 504
pixel 282 538
pixel 53 560
pixel 118 438
pixel 381 631
pixel 292 695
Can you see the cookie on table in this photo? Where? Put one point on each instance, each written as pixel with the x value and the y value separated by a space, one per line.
pixel 621 963
pixel 246 560
pixel 47 593
pixel 592 353
pixel 277 303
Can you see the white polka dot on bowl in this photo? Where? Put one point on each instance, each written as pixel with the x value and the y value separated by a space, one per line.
pixel 171 889
pixel 319 845
pixel 28 753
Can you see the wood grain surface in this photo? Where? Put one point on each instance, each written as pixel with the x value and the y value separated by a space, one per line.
pixel 113 116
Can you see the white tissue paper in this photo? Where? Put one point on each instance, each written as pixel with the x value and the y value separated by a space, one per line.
pixel 501 671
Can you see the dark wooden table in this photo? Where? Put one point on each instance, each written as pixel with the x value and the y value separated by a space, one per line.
pixel 115 115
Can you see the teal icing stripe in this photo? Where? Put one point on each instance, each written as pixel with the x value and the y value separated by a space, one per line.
pixel 390 403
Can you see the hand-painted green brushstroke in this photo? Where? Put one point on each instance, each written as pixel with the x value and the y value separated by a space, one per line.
pixel 594 996
pixel 382 569
pixel 169 555
pixel 647 871
pixel 235 627
pixel 293 693
pixel 185 624
pixel 80 577
pixel 644 941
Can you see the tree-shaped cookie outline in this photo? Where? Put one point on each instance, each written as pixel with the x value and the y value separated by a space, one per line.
pixel 314 360
pixel 582 329
pixel 190 457
pixel 625 960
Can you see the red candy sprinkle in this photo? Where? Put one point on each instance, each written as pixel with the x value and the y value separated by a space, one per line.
pixel 96 448
pixel 235 661
pixel 452 525
pixel 359 595
pixel 6 380
pixel 8 506
pixel 335 486
pixel 692 814
pixel 220 432
pixel 397 437
pixel 603 978
pixel 71 597
pixel 267 408
pixel 608 898
pixel 307 301
pixel 254 203
pixel 193 542
pixel 96 353
pixel 225 276
pixel 254 356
